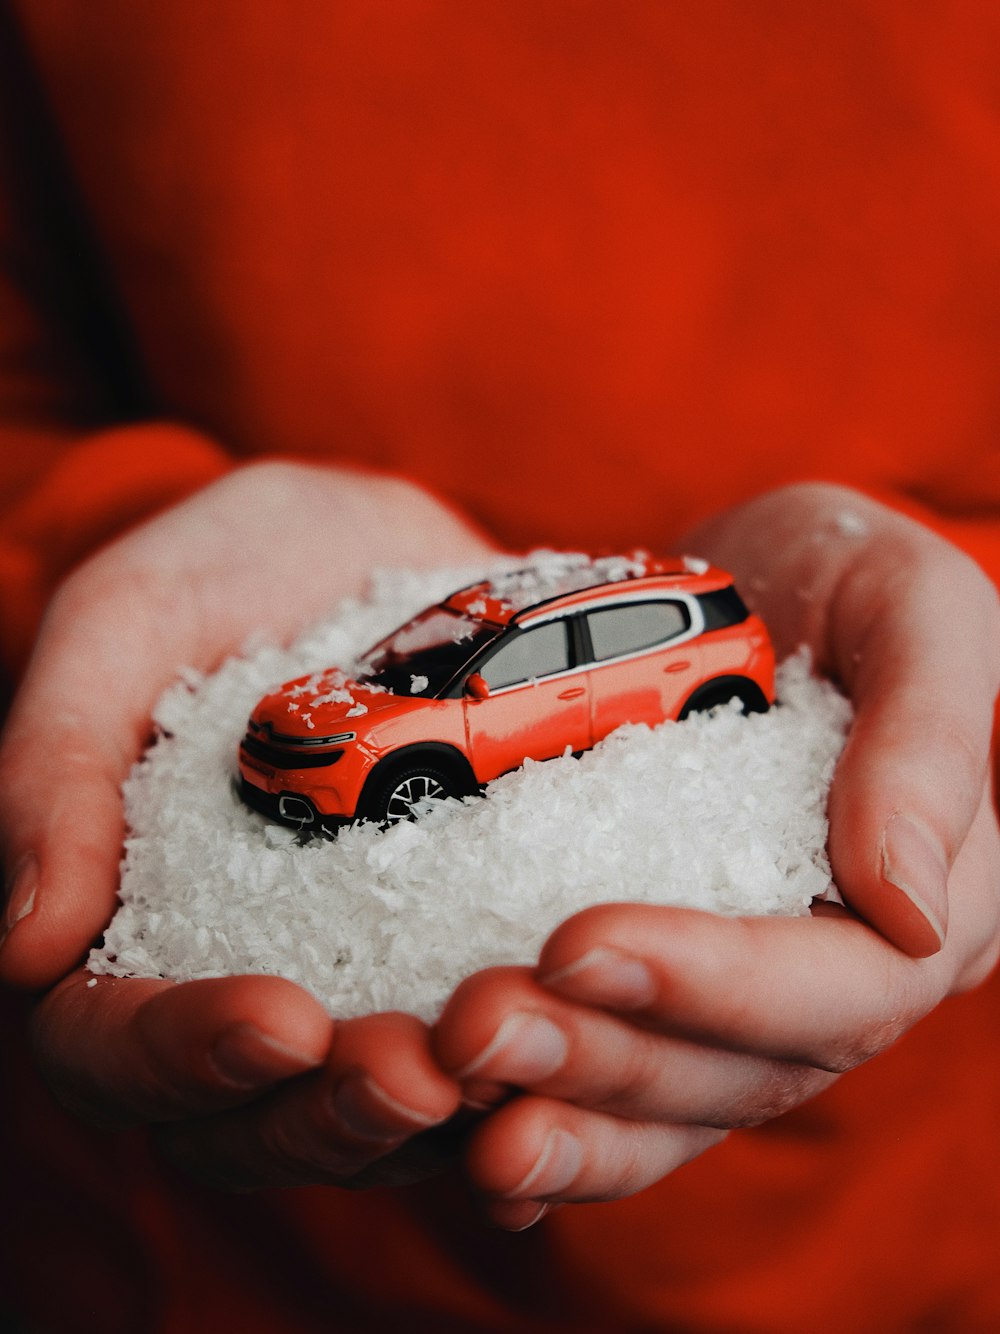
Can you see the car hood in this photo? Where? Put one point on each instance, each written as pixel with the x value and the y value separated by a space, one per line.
pixel 327 704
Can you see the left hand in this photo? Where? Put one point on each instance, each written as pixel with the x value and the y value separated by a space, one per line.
pixel 247 1081
pixel 645 1033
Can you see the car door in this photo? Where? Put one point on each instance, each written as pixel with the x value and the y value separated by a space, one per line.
pixel 646 661
pixel 538 704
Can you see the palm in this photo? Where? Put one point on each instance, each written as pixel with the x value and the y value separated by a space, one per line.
pixel 183 590
pixel 645 1032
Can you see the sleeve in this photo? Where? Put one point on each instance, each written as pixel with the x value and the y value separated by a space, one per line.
pixel 77 461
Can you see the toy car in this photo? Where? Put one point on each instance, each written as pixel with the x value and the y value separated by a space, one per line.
pixel 530 664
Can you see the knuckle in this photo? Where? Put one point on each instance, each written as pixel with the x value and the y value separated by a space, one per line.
pixel 962 742
pixel 627 1167
pixel 632 1086
pixel 281 1143
pixel 857 1048
pixel 960 747
pixel 978 969
pixel 784 1088
pixel 52 1042
pixel 905 992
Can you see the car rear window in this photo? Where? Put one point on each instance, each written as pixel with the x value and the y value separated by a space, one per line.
pixel 723 607
pixel 616 631
pixel 527 654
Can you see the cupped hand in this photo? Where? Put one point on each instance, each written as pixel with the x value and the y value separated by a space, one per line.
pixel 645 1033
pixel 249 1079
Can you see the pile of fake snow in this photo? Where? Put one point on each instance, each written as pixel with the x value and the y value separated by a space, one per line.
pixel 722 812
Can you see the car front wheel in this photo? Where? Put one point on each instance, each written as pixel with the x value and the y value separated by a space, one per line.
pixel 398 794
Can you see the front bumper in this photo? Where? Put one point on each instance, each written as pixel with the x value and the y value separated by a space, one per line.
pixel 289 808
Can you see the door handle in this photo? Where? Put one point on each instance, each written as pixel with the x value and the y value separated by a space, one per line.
pixel 574 693
pixel 677 666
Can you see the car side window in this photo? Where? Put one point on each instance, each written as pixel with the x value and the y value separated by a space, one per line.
pixel 527 654
pixel 635 626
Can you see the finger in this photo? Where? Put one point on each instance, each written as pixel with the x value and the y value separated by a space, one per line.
pixel 347 1124
pixel 913 773
pixel 910 626
pixel 974 887
pixel 515 1215
pixel 113 638
pixel 79 722
pixel 118 1050
pixel 502 1026
pixel 826 992
pixel 547 1151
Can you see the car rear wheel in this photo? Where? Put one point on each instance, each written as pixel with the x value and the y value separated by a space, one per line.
pixel 714 693
pixel 396 796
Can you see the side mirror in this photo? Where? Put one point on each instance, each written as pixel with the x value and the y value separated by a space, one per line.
pixel 476 687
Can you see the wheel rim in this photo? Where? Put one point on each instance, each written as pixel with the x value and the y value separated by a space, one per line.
pixel 405 795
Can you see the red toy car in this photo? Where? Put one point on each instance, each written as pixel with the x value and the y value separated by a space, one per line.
pixel 528 664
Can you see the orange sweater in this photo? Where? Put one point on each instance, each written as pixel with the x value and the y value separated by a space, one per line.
pixel 590 270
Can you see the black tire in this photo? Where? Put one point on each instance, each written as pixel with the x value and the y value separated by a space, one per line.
pixel 710 696
pixel 394 794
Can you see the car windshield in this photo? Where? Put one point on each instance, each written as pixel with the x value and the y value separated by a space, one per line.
pixel 422 656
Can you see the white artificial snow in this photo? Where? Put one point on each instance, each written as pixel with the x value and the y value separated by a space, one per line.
pixel 695 564
pixel 723 812
pixel 552 574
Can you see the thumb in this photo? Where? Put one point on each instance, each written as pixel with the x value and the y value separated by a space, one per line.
pixel 78 723
pixel 915 628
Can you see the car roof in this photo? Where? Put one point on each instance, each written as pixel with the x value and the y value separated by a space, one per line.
pixel 558 580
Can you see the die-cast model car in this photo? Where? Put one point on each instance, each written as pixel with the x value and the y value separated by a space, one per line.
pixel 528 664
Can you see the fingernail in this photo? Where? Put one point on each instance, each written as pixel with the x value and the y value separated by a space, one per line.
pixel 482 1095
pixel 536 1217
pixel 247 1058
pixel 22 890
pixel 606 977
pixel 365 1109
pixel 517 1215
pixel 556 1167
pixel 913 861
pixel 526 1048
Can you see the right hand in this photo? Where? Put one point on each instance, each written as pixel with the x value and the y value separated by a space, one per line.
pixel 646 1032
pixel 248 1080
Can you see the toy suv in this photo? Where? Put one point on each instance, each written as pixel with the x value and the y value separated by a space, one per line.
pixel 529 664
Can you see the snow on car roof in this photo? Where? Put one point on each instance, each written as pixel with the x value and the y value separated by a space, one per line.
pixel 558 573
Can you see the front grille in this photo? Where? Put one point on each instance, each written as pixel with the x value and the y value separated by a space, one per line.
pixel 281 758
pixel 283 739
